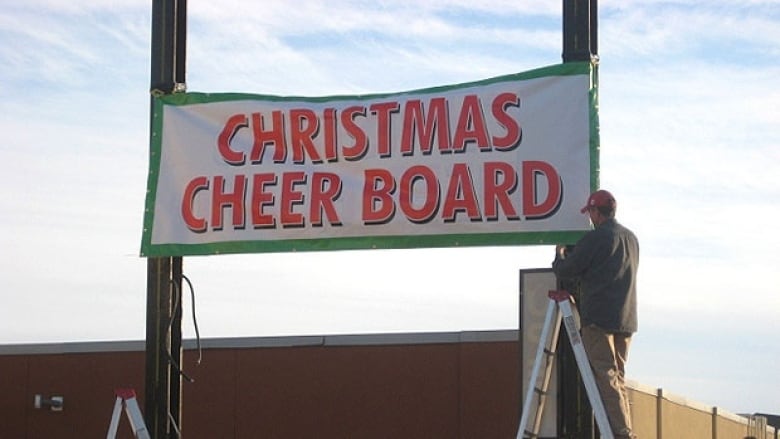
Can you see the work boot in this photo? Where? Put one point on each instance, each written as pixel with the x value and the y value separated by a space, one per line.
pixel 625 434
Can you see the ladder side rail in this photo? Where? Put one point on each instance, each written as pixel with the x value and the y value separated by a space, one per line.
pixel 587 373
pixel 550 358
pixel 529 394
pixel 136 419
pixel 114 425
pixel 125 398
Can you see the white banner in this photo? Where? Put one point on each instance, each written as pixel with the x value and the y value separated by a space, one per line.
pixel 503 161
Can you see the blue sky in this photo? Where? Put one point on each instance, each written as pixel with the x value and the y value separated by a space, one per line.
pixel 690 146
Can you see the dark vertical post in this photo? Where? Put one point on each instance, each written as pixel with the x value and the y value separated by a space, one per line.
pixel 580 44
pixel 580 30
pixel 164 274
pixel 575 416
pixel 177 353
pixel 158 311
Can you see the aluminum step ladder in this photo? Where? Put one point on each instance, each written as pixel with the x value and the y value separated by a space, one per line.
pixel 559 309
pixel 126 398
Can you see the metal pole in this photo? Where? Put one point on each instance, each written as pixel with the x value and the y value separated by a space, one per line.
pixel 158 310
pixel 177 354
pixel 580 44
pixel 580 30
pixel 163 322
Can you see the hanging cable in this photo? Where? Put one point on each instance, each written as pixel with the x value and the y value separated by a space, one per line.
pixel 177 305
pixel 194 318
pixel 175 309
pixel 173 424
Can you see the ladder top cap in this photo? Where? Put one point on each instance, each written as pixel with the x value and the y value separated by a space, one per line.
pixel 125 393
pixel 559 295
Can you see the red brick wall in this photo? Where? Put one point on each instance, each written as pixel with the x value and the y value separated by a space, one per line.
pixel 405 390
pixel 86 381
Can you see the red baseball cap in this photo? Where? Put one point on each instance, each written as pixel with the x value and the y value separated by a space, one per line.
pixel 600 198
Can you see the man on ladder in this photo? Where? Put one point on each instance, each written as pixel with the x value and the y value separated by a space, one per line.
pixel 605 261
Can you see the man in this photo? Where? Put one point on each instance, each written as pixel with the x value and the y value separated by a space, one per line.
pixel 605 261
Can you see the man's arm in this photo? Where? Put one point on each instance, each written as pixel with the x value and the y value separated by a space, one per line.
pixel 573 262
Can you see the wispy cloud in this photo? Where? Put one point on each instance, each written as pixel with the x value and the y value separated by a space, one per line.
pixel 689 144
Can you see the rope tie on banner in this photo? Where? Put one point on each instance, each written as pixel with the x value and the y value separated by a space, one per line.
pixel 179 87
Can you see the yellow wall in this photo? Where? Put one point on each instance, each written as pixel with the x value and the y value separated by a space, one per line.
pixel 660 415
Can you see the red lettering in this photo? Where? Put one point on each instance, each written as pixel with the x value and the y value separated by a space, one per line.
pixel 197 225
pixel 514 133
pixel 358 149
pixel 233 124
pixel 471 126
pixel 304 125
pixel 262 198
pixel 378 188
pixel 437 123
pixel 533 207
pixel 460 195
pixel 325 189
pixel 330 135
pixel 274 136
pixel 383 112
pixel 406 198
pixel 500 181
pixel 290 198
pixel 221 199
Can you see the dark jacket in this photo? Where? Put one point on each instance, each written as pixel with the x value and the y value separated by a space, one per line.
pixel 605 260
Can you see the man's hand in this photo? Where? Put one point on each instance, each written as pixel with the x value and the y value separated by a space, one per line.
pixel 561 251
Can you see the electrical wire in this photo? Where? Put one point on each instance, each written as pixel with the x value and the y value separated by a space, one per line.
pixel 177 305
pixel 194 318
pixel 171 360
pixel 173 424
pixel 175 309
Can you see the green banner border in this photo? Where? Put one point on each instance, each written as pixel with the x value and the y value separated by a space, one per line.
pixel 357 243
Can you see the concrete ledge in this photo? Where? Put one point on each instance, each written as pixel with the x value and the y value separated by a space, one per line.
pixel 73 348
pixel 680 400
pixel 639 387
pixel 411 338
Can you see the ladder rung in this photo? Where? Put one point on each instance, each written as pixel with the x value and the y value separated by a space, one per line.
pixel 540 391
pixel 530 434
pixel 549 352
